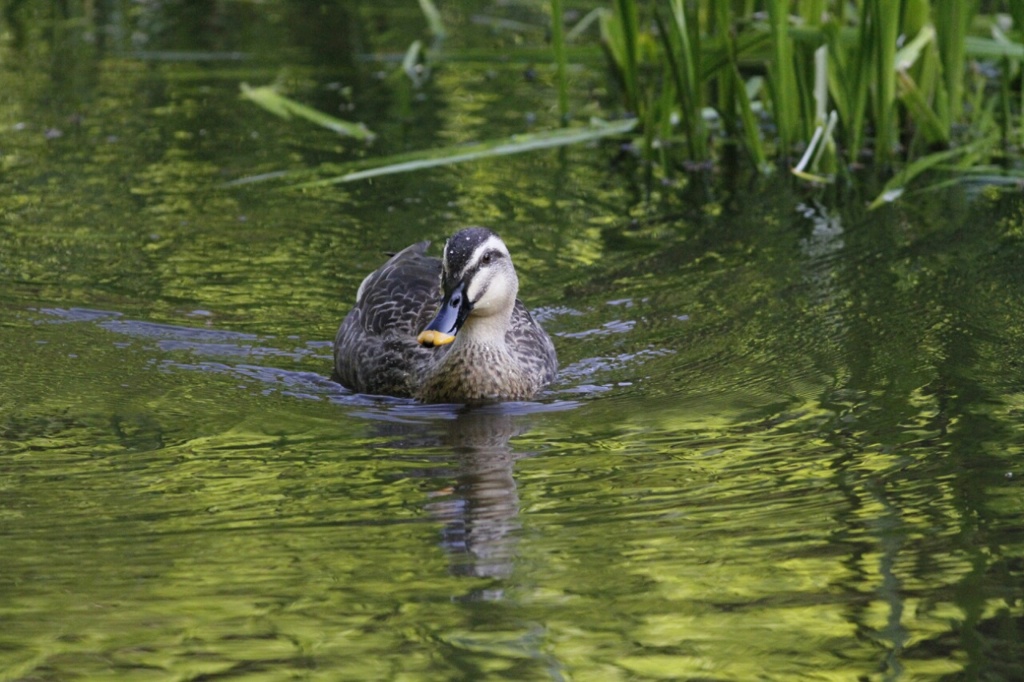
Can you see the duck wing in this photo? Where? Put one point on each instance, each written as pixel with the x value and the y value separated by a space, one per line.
pixel 375 350
pixel 531 345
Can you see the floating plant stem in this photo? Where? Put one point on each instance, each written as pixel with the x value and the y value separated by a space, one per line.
pixel 270 100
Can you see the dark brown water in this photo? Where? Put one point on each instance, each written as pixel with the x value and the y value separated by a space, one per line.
pixel 785 441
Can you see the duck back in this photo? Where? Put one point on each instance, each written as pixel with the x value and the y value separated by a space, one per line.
pixel 375 350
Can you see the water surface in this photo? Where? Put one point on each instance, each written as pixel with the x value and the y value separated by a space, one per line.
pixel 785 441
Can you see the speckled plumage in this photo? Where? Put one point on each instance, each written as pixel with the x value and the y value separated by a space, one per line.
pixel 500 352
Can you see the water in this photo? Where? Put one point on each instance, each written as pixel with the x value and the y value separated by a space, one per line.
pixel 785 441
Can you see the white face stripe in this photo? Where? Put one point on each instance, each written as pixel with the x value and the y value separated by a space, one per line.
pixel 492 244
pixel 491 287
pixel 479 285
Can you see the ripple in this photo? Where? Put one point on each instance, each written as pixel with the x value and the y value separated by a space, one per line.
pixel 612 327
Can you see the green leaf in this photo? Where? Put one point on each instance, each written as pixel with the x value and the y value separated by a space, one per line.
pixel 285 107
pixel 908 55
pixel 433 17
pixel 561 64
pixel 430 158
pixel 414 64
pixel 897 185
pixel 752 132
pixel 991 48
pixel 782 76
pixel 928 122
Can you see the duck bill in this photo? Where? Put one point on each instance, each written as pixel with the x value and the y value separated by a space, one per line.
pixel 454 310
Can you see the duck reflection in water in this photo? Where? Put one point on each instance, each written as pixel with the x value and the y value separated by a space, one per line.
pixel 481 511
pixel 476 497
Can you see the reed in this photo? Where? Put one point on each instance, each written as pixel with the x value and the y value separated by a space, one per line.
pixel 911 88
pixel 561 61
pixel 782 76
pixel 894 82
pixel 681 44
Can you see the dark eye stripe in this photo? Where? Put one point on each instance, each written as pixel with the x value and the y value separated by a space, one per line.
pixel 490 255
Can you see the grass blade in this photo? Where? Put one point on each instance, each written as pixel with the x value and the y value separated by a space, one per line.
pixel 927 121
pixel 990 48
pixel 783 76
pixel 751 129
pixel 285 107
pixel 620 37
pixel 558 46
pixel 583 24
pixel 415 66
pixel 952 23
pixel 431 158
pixel 886 27
pixel 897 185
pixel 433 17
pixel 684 64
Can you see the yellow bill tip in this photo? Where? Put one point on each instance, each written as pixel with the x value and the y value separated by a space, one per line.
pixel 432 337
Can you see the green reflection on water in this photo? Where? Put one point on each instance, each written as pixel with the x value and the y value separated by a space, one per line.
pixel 785 441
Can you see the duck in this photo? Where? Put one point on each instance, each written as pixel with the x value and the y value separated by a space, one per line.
pixel 448 330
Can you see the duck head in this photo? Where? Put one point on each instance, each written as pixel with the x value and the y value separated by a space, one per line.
pixel 479 287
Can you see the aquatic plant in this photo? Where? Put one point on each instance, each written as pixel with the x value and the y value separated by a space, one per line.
pixel 913 86
pixel 819 87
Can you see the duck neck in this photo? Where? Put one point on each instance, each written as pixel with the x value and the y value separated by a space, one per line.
pixel 484 331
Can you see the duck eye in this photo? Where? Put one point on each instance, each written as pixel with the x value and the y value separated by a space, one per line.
pixel 486 259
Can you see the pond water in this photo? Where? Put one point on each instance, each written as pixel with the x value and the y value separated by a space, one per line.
pixel 785 440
